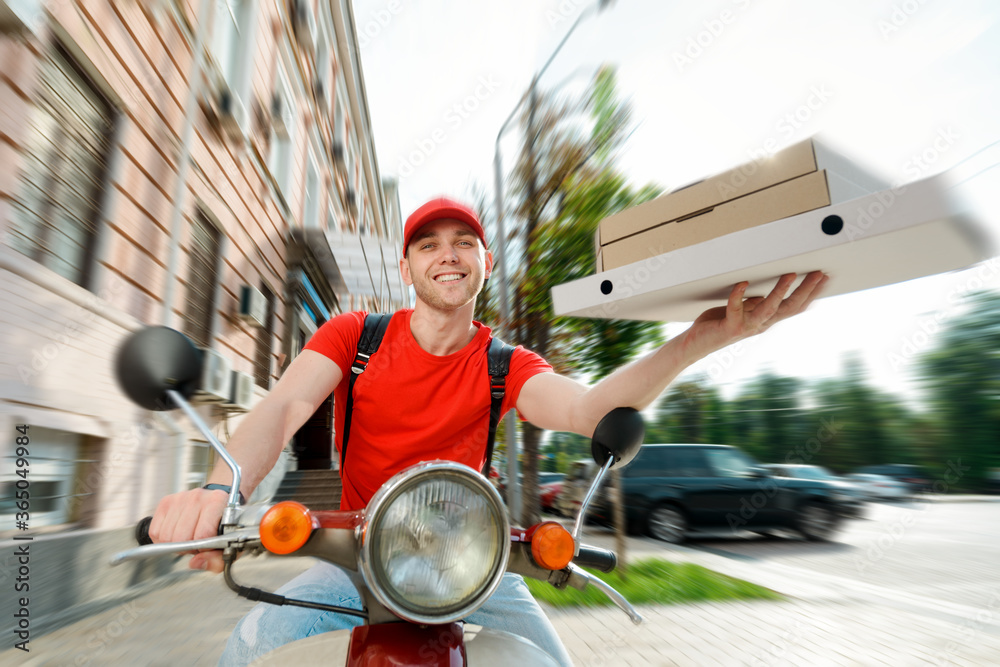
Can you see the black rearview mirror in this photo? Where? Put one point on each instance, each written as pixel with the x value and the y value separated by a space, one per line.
pixel 155 360
pixel 619 435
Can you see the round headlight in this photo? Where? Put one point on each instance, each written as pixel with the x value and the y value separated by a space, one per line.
pixel 435 543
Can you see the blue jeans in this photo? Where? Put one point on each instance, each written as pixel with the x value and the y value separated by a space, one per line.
pixel 511 609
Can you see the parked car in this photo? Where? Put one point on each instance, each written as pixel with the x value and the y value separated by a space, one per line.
pixel 548 491
pixel 574 486
pixel 853 505
pixel 549 477
pixel 878 487
pixel 993 480
pixel 914 477
pixel 671 490
pixel 549 484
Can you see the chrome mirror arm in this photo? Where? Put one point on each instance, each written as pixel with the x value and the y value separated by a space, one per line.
pixel 594 485
pixel 231 513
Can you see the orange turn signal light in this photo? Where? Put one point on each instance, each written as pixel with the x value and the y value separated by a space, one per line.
pixel 552 546
pixel 286 527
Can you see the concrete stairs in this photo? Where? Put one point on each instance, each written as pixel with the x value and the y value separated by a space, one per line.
pixel 316 489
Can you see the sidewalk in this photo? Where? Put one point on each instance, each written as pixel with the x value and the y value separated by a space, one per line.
pixel 187 623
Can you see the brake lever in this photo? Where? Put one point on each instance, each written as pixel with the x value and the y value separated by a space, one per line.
pixel 237 538
pixel 605 588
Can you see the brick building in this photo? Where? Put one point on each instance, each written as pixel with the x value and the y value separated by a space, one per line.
pixel 145 180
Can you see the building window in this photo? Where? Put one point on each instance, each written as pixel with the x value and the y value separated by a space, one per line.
pixel 203 276
pixel 283 123
pixel 310 211
pixel 199 465
pixel 232 42
pixel 322 73
pixel 265 339
pixel 54 464
pixel 66 151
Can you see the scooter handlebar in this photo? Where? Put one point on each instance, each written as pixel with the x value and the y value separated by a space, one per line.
pixel 142 531
pixel 599 559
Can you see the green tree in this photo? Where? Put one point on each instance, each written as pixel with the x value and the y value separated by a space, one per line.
pixel 962 378
pixel 686 413
pixel 563 185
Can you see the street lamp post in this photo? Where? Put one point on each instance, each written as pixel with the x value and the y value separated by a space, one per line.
pixel 510 423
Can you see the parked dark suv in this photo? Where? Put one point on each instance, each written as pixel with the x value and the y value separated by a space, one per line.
pixel 670 490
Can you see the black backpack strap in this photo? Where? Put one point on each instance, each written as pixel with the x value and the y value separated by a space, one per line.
pixel 371 338
pixel 498 356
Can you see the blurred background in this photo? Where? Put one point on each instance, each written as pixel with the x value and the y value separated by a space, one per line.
pixel 241 169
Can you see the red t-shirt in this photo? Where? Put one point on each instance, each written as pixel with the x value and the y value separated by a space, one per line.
pixel 410 405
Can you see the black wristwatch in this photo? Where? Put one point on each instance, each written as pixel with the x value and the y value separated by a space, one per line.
pixel 227 488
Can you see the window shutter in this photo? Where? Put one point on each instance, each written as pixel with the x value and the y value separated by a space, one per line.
pixel 203 262
pixel 63 173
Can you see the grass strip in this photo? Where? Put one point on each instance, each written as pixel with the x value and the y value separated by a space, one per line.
pixel 655 581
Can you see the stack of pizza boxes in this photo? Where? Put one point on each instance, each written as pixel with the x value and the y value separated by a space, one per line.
pixel 800 178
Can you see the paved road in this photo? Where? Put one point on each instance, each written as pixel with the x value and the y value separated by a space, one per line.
pixel 931 597
pixel 947 551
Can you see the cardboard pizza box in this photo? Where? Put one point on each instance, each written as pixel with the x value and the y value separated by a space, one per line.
pixel 800 178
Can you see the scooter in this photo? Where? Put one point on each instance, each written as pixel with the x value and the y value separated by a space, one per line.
pixel 429 549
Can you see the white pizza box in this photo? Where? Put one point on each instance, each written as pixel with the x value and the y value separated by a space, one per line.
pixel 888 237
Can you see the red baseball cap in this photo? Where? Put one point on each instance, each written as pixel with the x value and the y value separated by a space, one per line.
pixel 439 209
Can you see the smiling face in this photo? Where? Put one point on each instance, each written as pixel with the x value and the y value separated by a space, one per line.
pixel 446 264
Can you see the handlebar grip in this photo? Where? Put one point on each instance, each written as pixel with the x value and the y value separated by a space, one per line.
pixel 142 531
pixel 599 559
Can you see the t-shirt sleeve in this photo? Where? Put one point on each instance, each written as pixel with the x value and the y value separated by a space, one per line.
pixel 524 364
pixel 338 338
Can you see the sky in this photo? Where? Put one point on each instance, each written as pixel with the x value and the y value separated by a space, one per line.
pixel 907 89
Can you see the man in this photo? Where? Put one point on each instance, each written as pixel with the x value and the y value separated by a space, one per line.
pixel 420 383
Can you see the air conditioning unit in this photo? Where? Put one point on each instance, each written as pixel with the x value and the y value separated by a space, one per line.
pixel 242 390
pixel 278 115
pixel 319 90
pixel 216 378
pixel 232 113
pixel 303 23
pixel 337 153
pixel 253 306
pixel 351 200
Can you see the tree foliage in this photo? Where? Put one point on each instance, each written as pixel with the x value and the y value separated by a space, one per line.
pixel 563 184
pixel 962 377
pixel 844 423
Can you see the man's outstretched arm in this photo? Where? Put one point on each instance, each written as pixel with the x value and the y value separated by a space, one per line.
pixel 559 403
